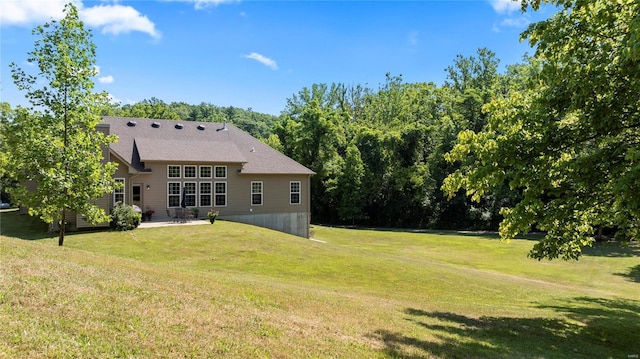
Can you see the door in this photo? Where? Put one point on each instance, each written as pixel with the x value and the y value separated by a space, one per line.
pixel 136 195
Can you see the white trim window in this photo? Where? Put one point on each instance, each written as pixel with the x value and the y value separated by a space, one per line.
pixel 220 194
pixel 206 172
pixel 173 194
pixel 294 192
pixel 190 171
pixel 205 194
pixel 256 193
pixel 118 193
pixel 190 194
pixel 220 171
pixel 173 171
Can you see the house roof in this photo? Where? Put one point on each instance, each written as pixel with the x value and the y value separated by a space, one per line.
pixel 143 140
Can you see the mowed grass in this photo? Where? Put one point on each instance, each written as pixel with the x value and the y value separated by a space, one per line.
pixel 233 290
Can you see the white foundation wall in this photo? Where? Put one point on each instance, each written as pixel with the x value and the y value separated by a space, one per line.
pixel 292 223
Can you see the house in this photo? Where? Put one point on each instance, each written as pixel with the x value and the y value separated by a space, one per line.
pixel 163 162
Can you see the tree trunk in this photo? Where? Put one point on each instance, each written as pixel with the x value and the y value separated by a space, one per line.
pixel 62 227
pixel 599 237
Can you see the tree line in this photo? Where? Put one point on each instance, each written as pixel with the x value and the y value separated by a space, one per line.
pixel 256 123
pixel 379 154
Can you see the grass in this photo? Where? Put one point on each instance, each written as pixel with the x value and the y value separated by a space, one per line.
pixel 233 290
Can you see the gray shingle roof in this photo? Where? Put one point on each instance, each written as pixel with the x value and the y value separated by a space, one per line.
pixel 204 142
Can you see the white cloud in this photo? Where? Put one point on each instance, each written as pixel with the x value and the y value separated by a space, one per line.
pixel 505 6
pixel 117 19
pixel 262 59
pixel 516 22
pixel 106 79
pixel 112 99
pixel 519 22
pixel 29 12
pixel 111 19
pixel 201 4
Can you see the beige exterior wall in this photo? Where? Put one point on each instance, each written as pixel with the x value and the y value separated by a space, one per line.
pixel 290 218
pixel 103 203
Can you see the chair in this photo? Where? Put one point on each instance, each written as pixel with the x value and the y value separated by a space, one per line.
pixel 174 218
pixel 188 215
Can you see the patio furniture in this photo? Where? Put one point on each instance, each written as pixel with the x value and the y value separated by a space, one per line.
pixel 173 217
pixel 188 215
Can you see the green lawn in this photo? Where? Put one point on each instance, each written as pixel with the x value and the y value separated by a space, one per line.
pixel 233 290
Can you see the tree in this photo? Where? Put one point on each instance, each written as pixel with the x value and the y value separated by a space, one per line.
pixel 471 83
pixel 569 141
pixel 7 114
pixel 351 194
pixel 55 144
pixel 312 133
pixel 151 108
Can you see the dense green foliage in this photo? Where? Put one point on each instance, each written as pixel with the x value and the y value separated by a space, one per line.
pixel 55 144
pixel 124 218
pixel 379 154
pixel 255 123
pixel 568 141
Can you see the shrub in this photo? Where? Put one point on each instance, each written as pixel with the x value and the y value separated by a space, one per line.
pixel 124 218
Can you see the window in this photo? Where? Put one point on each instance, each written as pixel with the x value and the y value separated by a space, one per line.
pixel 118 192
pixel 190 194
pixel 173 171
pixel 205 194
pixel 136 195
pixel 256 193
pixel 221 194
pixel 221 171
pixel 189 171
pixel 205 171
pixel 173 194
pixel 294 187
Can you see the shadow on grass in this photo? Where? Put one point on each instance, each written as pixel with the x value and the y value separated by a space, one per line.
pixel 23 226
pixel 633 274
pixel 584 328
pixel 477 234
pixel 613 249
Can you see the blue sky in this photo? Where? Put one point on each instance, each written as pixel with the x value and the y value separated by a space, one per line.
pixel 257 54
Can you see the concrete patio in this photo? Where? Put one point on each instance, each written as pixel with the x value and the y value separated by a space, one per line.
pixel 166 222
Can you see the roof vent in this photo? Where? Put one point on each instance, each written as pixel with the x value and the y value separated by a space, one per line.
pixel 253 149
pixel 224 126
pixel 179 126
pixel 201 127
pixel 155 125
pixel 131 123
